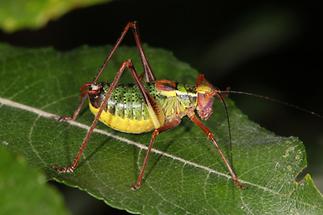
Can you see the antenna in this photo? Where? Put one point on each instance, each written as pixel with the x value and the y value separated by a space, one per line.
pixel 273 100
pixel 229 126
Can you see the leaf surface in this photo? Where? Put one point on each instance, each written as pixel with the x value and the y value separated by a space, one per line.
pixel 16 14
pixel 185 174
pixel 24 189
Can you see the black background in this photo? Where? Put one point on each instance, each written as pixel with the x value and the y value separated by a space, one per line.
pixel 271 48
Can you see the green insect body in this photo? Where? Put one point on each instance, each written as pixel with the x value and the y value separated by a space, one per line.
pixel 127 107
pixel 148 105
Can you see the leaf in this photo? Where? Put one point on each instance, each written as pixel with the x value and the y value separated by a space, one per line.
pixel 24 190
pixel 17 14
pixel 184 174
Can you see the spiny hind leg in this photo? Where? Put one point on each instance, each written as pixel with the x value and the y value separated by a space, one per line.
pixel 147 97
pixel 148 73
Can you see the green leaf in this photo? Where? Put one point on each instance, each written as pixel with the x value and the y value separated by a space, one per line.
pixel 24 190
pixel 185 173
pixel 17 14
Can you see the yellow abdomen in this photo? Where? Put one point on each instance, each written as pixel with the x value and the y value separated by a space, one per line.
pixel 123 124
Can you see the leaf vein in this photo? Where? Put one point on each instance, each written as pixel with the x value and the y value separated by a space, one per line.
pixel 48 115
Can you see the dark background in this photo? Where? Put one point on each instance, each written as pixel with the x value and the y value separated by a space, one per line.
pixel 270 48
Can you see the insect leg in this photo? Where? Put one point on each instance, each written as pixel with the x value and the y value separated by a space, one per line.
pixel 147 69
pixel 210 135
pixel 83 96
pixel 171 124
pixel 148 99
pixel 76 112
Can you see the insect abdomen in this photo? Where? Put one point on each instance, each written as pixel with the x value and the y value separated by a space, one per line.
pixel 126 111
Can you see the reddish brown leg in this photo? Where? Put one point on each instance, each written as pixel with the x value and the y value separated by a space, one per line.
pixel 149 75
pixel 171 124
pixel 210 135
pixel 147 69
pixel 147 97
pixel 76 112
pixel 83 96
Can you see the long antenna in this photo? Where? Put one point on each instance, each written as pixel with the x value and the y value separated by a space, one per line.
pixel 229 127
pixel 274 100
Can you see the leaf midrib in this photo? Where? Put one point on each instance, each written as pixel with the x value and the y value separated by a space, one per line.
pixel 48 115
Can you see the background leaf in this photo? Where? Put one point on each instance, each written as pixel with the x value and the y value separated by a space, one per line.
pixel 16 14
pixel 24 190
pixel 185 174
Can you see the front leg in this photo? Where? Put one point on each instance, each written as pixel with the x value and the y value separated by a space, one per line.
pixel 210 136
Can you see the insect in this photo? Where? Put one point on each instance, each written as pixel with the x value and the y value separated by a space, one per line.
pixel 145 106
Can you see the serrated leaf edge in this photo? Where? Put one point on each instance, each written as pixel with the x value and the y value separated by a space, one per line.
pixel 41 113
